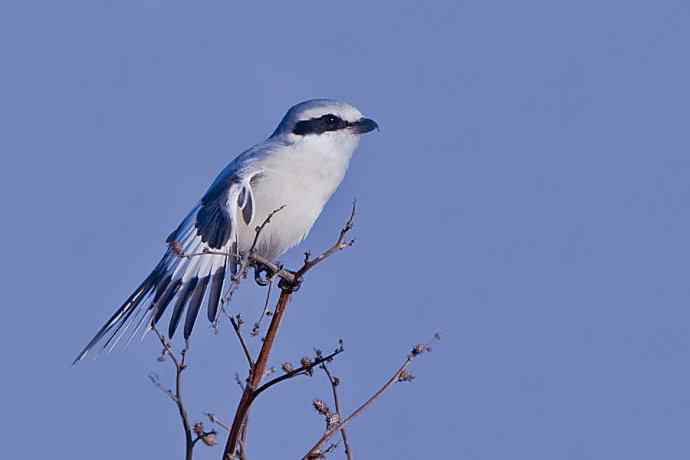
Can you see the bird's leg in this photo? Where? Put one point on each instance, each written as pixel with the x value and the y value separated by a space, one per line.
pixel 264 272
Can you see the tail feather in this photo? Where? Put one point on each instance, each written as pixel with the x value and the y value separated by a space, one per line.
pixel 180 305
pixel 194 305
pixel 214 294
pixel 167 296
pixel 184 275
pixel 122 327
pixel 121 314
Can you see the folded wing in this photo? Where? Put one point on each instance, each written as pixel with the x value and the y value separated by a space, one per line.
pixel 201 252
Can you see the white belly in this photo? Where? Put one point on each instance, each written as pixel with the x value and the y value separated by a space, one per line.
pixel 303 200
pixel 300 178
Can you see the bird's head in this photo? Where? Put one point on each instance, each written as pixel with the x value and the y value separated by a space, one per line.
pixel 326 123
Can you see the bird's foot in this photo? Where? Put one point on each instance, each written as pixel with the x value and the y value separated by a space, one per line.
pixel 263 274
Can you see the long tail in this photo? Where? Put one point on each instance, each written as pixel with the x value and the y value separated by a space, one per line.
pixel 123 314
pixel 185 273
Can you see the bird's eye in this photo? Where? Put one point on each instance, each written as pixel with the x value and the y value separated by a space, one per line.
pixel 331 119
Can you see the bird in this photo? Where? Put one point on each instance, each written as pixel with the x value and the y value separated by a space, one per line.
pixel 296 169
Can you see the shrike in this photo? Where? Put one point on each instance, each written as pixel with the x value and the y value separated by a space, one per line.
pixel 299 167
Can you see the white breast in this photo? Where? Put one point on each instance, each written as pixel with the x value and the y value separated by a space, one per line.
pixel 302 177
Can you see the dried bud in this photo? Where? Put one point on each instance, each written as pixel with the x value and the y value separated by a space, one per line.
pixel 322 408
pixel 306 362
pixel 239 320
pixel 198 429
pixel 287 367
pixel 405 376
pixel 336 381
pixel 210 439
pixel 419 349
pixel 315 455
pixel 332 420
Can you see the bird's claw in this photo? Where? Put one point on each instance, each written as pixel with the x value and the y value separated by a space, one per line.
pixel 263 275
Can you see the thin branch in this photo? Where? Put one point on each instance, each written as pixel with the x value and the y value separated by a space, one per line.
pixel 207 437
pixel 260 228
pixel 335 381
pixel 257 325
pixel 401 375
pixel 340 244
pixel 180 366
pixel 257 373
pixel 245 261
pixel 155 379
pixel 236 324
pixel 288 287
pixel 304 369
pixel 217 421
pixel 235 280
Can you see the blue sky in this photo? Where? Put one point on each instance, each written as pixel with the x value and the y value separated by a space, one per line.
pixel 527 197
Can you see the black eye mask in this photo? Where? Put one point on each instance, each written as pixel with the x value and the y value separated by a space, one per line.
pixel 322 124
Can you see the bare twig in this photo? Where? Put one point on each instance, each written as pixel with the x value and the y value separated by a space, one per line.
pixel 180 366
pixel 287 289
pixel 247 259
pixel 340 244
pixel 256 329
pixel 237 323
pixel 302 370
pixel 335 381
pixel 401 375
pixel 260 228
pixel 257 373
pixel 207 437
pixel 217 421
pixel 250 258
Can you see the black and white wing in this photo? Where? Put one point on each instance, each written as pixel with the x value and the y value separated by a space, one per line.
pixel 187 275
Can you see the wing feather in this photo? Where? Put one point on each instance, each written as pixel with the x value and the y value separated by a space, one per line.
pixel 187 274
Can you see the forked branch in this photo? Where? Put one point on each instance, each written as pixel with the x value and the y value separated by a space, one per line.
pixel 335 381
pixel 401 375
pixel 288 286
pixel 176 395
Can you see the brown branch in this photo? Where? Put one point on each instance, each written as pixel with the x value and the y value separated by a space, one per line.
pixel 180 366
pixel 242 451
pixel 401 375
pixel 335 381
pixel 256 374
pixel 258 370
pixel 304 369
